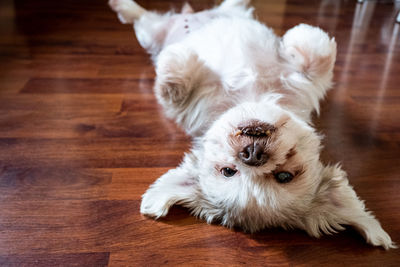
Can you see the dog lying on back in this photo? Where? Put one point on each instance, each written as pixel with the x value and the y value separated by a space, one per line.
pixel 246 97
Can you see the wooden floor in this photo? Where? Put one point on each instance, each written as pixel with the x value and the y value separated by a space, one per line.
pixel 82 137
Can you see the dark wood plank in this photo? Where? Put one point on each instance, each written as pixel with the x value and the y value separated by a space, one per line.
pixel 51 184
pixel 78 259
pixel 85 153
pixel 81 86
pixel 82 137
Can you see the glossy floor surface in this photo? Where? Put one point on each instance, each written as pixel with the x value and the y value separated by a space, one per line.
pixel 82 137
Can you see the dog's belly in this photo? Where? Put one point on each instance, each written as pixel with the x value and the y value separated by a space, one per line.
pixel 236 49
pixel 184 25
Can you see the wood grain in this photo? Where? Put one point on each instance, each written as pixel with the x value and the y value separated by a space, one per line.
pixel 82 137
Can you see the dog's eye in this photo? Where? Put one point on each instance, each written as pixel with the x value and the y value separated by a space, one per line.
pixel 283 177
pixel 228 172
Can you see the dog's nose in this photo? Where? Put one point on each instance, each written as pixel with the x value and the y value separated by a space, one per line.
pixel 253 155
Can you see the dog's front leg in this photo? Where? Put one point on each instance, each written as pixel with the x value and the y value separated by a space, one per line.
pixel 309 51
pixel 178 72
pixel 185 86
pixel 309 55
pixel 177 186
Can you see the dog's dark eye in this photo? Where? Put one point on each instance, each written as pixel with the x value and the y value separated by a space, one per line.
pixel 228 172
pixel 283 177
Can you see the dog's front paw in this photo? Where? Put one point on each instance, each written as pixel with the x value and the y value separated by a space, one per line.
pixel 309 39
pixel 309 49
pixel 179 71
pixel 154 204
pixel 172 92
pixel 378 237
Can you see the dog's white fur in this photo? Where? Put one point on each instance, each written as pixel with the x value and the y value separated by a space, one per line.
pixel 220 68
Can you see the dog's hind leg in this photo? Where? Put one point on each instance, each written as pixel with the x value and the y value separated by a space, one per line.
pixel 234 3
pixel 151 28
pixel 239 8
pixel 128 11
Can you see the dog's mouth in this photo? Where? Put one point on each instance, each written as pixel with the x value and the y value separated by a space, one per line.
pixel 256 129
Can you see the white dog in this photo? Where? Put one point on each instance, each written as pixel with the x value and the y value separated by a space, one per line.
pixel 246 96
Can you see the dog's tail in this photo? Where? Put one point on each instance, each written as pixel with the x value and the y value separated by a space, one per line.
pixel 128 11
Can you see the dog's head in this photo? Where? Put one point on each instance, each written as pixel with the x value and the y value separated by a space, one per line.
pixel 258 166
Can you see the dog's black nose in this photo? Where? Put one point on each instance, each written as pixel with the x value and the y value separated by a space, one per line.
pixel 253 155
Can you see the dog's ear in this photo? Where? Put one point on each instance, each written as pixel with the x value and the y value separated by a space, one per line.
pixel 336 204
pixel 177 186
